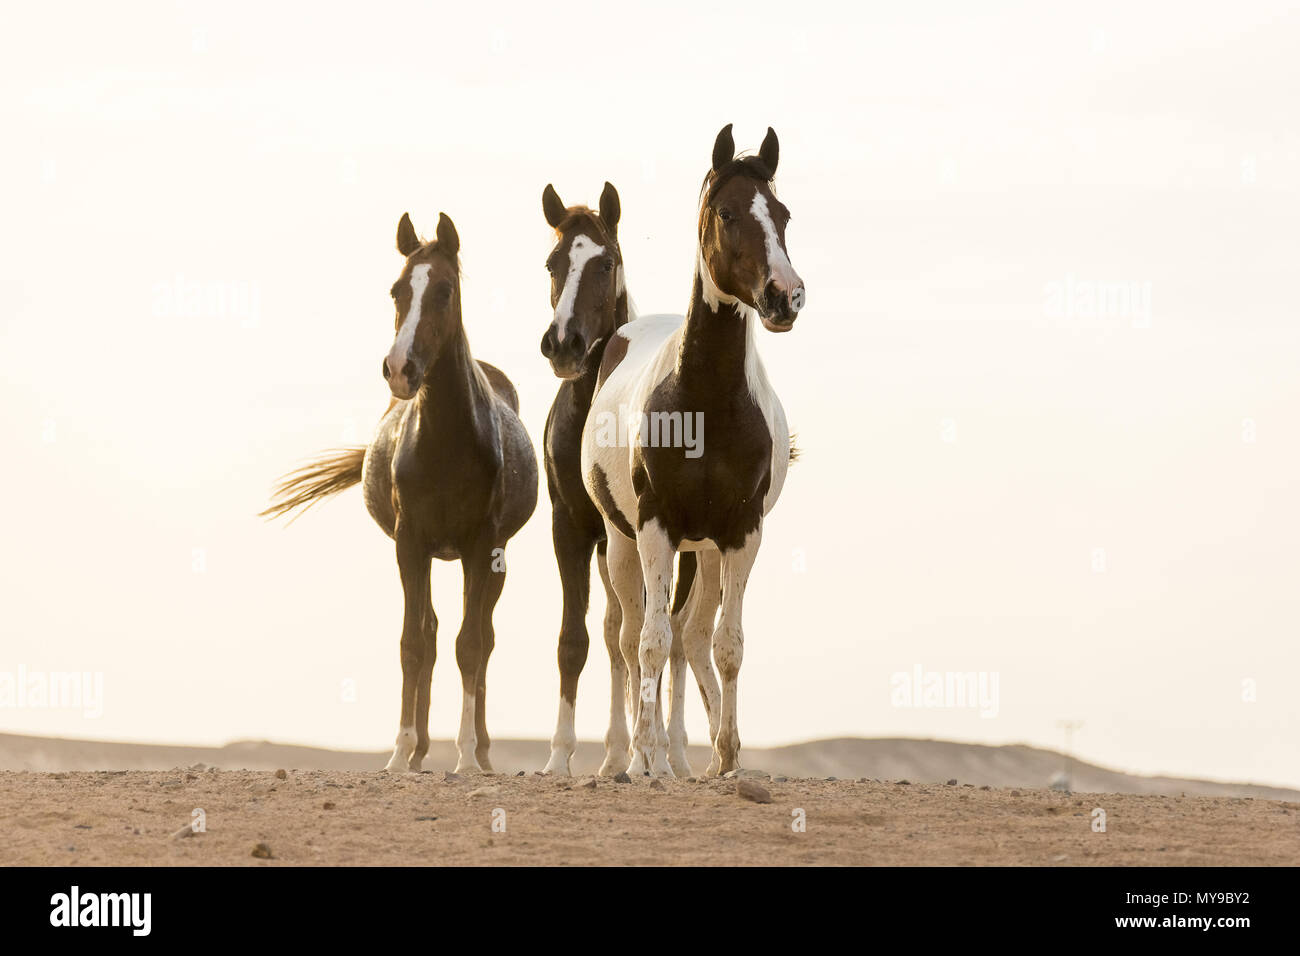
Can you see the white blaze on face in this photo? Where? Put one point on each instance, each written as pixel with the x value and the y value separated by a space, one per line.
pixel 406 333
pixel 778 263
pixel 581 251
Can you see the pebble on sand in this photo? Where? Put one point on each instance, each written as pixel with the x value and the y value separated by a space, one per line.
pixel 262 851
pixel 281 775
pixel 622 777
pixel 748 790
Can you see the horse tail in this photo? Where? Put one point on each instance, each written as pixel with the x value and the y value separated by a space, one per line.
pixel 328 475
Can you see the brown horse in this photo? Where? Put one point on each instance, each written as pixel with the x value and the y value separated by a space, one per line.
pixel 664 486
pixel 590 301
pixel 451 474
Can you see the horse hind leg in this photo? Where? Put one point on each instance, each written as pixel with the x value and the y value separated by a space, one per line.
pixel 673 741
pixel 621 572
pixel 697 639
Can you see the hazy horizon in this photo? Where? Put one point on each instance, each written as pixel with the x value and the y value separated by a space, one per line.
pixel 1045 383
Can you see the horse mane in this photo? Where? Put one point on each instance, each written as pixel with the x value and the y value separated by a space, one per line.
pixel 750 166
pixel 585 215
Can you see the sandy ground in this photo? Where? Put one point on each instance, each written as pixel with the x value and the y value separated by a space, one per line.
pixel 371 818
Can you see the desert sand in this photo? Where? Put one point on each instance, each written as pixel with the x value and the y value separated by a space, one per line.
pixel 306 817
pixel 896 802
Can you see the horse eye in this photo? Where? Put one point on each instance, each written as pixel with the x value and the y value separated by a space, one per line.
pixel 724 215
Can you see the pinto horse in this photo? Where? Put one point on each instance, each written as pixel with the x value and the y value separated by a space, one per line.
pixel 590 301
pixel 658 497
pixel 450 474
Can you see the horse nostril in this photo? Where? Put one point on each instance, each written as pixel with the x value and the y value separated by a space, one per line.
pixel 577 345
pixel 387 372
pixel 408 371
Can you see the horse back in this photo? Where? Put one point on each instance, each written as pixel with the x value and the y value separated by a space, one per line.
pixel 501 384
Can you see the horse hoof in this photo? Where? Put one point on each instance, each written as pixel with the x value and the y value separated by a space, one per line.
pixel 557 766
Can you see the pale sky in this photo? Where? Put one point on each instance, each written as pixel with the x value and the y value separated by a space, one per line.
pixel 199 219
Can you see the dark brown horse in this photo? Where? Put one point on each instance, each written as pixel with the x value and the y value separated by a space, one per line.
pixel 590 301
pixel 699 490
pixel 451 474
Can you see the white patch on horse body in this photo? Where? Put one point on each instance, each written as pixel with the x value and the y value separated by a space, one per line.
pixel 406 334
pixel 581 251
pixel 778 263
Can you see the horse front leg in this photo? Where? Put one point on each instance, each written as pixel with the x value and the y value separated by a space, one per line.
pixel 573 555
pixel 469 654
pixel 413 565
pixel 656 552
pixel 423 691
pixel 729 646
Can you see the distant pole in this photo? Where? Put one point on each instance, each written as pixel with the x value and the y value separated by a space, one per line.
pixel 1069 726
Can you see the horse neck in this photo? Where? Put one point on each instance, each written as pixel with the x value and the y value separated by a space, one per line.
pixel 715 344
pixel 454 387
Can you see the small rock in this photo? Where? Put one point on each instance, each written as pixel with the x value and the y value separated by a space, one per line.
pixel 520 773
pixel 696 780
pixel 831 779
pixel 656 784
pixel 422 819
pixel 780 779
pixel 262 851
pixel 904 783
pixel 327 805
pixel 986 787
pixel 748 790
pixel 451 777
pixel 862 779
pixel 281 775
pixel 622 777
pixel 952 782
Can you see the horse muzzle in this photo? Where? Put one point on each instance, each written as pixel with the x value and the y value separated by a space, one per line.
pixel 564 355
pixel 778 308
pixel 406 382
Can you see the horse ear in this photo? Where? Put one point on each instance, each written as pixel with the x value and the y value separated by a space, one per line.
pixel 610 209
pixel 448 239
pixel 552 208
pixel 407 240
pixel 769 151
pixel 724 147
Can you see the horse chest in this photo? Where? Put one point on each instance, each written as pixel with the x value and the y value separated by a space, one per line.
pixel 715 489
pixel 563 452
